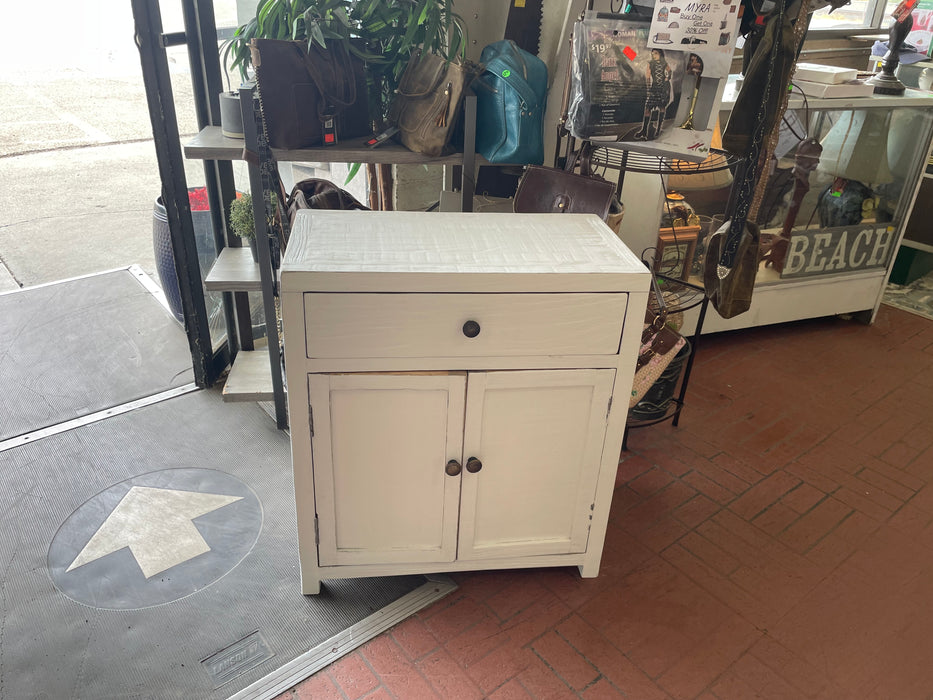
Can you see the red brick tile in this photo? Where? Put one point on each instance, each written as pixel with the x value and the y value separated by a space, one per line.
pixel 602 690
pixel 696 510
pixel 565 661
pixel 474 643
pixel 573 590
pixel 379 693
pixel 886 484
pixel 541 682
pixel 631 466
pixel 763 680
pixel 662 534
pixel 802 498
pixel 726 591
pixel 394 670
pixel 515 597
pixel 799 673
pixel 716 558
pixel 709 488
pixel 414 638
pixel 689 676
pixel 812 476
pixel 900 454
pixel 775 519
pixel 479 585
pixel 536 619
pixel 745 472
pixel 494 670
pixel 454 619
pixel 447 677
pixel 867 502
pixel 922 466
pixel 619 670
pixel 911 520
pixel 721 476
pixel 731 687
pixel 814 525
pixel 886 434
pixel 650 482
pixel 512 690
pixel 645 514
pixel 663 459
pixel 317 687
pixel 353 676
pixel 763 494
pixel 896 474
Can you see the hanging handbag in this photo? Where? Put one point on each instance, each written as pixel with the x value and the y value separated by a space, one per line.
pixel 429 100
pixel 543 190
pixel 511 95
pixel 310 96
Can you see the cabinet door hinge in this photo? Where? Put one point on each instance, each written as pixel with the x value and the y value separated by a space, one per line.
pixel 311 421
pixel 317 532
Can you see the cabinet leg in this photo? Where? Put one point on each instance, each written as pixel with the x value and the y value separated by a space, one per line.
pixel 589 570
pixel 310 585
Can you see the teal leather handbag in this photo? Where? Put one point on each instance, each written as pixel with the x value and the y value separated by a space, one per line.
pixel 511 94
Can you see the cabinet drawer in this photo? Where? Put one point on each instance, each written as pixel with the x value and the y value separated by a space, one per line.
pixel 435 325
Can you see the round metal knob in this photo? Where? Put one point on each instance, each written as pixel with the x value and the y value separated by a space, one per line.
pixel 453 468
pixel 473 465
pixel 471 329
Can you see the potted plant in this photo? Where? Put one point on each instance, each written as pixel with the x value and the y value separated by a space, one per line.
pixel 242 223
pixel 383 33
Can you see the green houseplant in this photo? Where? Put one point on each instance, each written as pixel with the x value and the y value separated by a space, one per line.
pixel 242 223
pixel 384 33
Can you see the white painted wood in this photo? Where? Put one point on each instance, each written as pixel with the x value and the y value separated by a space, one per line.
pixel 793 300
pixel 381 444
pixel 234 271
pixel 411 364
pixel 360 251
pixel 299 408
pixel 428 325
pixel 539 436
pixel 250 377
pixel 409 273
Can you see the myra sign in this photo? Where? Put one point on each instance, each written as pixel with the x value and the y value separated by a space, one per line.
pixel 828 251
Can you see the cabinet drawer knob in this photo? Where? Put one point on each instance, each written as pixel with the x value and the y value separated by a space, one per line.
pixel 453 468
pixel 473 465
pixel 471 329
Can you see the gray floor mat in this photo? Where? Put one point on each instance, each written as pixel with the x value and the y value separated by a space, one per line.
pixel 81 617
pixel 76 347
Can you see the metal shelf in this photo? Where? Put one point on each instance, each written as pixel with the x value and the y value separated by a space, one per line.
pixel 617 158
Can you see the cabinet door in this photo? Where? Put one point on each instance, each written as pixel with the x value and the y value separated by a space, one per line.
pixel 539 436
pixel 380 447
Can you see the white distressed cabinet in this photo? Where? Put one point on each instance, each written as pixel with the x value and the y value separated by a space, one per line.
pixel 451 384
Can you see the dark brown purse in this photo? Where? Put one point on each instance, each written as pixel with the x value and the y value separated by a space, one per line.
pixel 310 96
pixel 543 190
pixel 429 100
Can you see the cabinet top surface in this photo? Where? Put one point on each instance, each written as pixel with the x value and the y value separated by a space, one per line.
pixel 358 250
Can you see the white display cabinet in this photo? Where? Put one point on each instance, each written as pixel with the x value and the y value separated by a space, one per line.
pixel 458 388
pixel 875 149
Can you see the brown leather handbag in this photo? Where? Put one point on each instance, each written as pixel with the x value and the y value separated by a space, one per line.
pixel 542 189
pixel 429 100
pixel 310 96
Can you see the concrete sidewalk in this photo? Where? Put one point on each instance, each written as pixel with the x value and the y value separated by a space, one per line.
pixel 77 162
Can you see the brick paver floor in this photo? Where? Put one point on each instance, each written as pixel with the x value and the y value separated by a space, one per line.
pixel 777 544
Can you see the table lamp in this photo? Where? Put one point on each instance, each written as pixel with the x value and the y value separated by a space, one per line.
pixel 855 153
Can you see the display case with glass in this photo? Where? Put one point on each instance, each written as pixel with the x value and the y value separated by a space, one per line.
pixel 845 179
